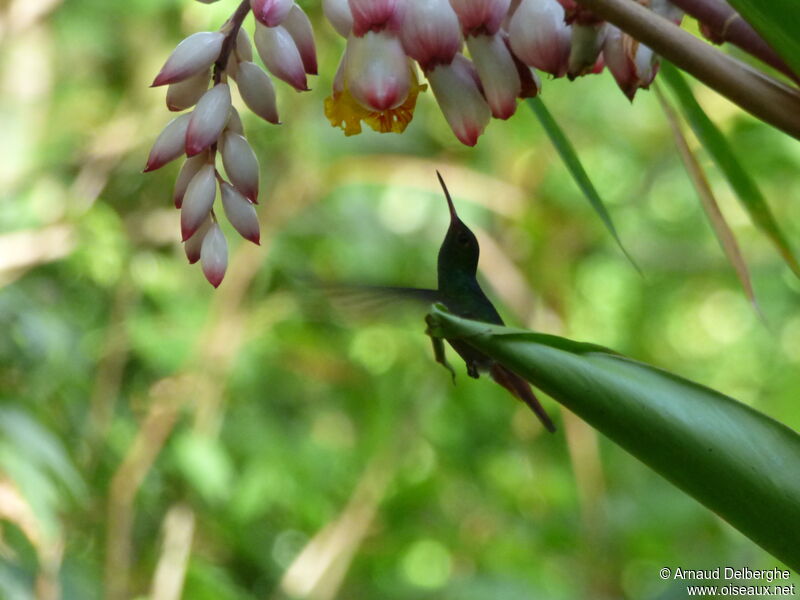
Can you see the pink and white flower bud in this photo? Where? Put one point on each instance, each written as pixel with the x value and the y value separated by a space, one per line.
pixel 430 32
pixel 458 94
pixel 280 55
pixel 235 122
pixel 244 49
pixel 208 119
pixel 480 16
pixel 214 255
pixel 189 169
pixel 632 64
pixel 186 93
pixel 271 12
pixel 375 15
pixel 240 213
pixel 338 14
pixel 377 71
pixel 497 72
pixel 193 245
pixel 194 54
pixel 241 164
pixel 257 91
pixel 169 143
pixel 539 36
pixel 585 47
pixel 198 200
pixel 299 27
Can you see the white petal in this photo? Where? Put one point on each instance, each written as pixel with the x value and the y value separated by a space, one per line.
pixel 244 49
pixel 460 99
pixel 198 200
pixel 280 55
pixel 377 71
pixel 214 255
pixel 196 53
pixel 299 27
pixel 481 16
pixel 339 15
pixel 169 144
pixel 430 32
pixel 539 37
pixel 189 169
pixel 235 122
pixel 192 246
pixel 208 119
pixel 257 91
pixel 240 213
pixel 241 164
pixel 271 12
pixel 186 93
pixel 375 15
pixel 498 74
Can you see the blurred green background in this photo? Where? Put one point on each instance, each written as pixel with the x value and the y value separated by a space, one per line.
pixel 159 439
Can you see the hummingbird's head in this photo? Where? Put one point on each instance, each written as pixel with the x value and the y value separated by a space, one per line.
pixel 459 251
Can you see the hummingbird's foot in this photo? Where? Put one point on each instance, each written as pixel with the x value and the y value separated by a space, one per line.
pixel 438 354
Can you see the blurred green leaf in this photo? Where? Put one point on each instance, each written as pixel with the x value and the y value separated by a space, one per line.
pixel 738 462
pixel 721 151
pixel 718 223
pixel 778 22
pixel 568 154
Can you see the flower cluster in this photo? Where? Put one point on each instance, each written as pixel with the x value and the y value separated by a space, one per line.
pixel 505 41
pixel 198 74
pixel 479 57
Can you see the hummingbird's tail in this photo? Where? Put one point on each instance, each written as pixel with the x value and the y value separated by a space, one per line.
pixel 522 390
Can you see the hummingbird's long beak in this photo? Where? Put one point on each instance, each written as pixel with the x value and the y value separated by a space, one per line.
pixel 453 214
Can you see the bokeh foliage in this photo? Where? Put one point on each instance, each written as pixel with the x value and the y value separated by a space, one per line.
pixel 280 447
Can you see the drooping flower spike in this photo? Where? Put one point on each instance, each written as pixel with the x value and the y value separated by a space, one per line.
pixel 478 56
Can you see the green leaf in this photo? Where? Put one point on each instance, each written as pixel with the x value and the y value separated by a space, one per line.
pixel 721 152
pixel 575 168
pixel 778 22
pixel 736 461
pixel 709 203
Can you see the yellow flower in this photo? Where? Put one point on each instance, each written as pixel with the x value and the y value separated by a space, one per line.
pixel 344 112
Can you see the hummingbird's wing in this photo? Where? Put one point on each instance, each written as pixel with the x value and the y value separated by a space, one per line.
pixel 522 390
pixel 372 301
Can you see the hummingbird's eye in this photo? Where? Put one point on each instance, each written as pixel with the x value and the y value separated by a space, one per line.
pixel 463 239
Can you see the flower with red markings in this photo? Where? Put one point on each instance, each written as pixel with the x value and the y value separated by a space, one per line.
pixel 430 33
pixel 481 16
pixel 192 246
pixel 240 213
pixel 280 55
pixel 214 255
pixel 271 12
pixel 194 54
pixel 189 169
pixel 376 71
pixel 497 72
pixel 169 144
pixel 240 164
pixel 198 200
pixel 632 64
pixel 299 27
pixel 457 91
pixel 257 91
pixel 376 15
pixel 539 36
pixel 208 119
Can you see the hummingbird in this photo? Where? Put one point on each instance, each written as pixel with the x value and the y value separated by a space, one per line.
pixel 458 289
